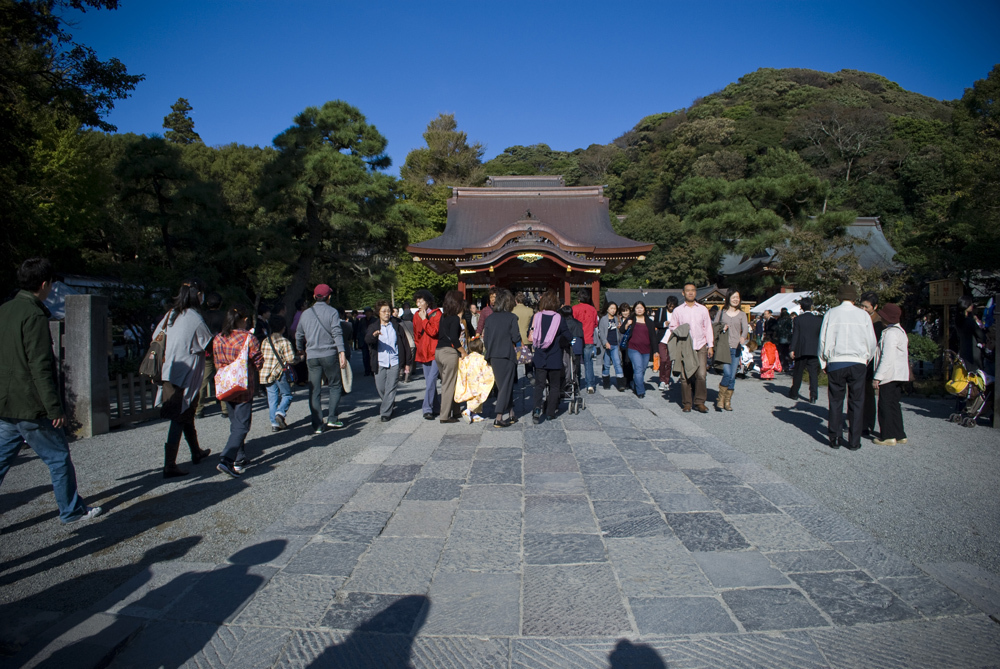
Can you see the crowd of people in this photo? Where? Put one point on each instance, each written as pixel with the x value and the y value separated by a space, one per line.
pixel 467 355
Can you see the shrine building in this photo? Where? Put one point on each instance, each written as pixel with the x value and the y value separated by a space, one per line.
pixel 530 234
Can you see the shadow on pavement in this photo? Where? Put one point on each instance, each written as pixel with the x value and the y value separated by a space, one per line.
pixel 628 655
pixel 810 418
pixel 384 640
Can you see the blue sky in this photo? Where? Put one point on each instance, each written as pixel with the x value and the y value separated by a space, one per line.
pixel 567 74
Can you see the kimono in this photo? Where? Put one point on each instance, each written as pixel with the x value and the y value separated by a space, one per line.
pixel 769 361
pixel 475 381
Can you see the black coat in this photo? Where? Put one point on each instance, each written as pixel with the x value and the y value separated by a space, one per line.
pixel 500 334
pixel 805 334
pixel 551 357
pixel 402 344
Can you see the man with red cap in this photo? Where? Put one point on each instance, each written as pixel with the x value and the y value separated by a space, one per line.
pixel 320 339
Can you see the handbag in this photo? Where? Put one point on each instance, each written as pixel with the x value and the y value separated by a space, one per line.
pixel 234 378
pixel 286 369
pixel 624 337
pixel 152 362
pixel 524 355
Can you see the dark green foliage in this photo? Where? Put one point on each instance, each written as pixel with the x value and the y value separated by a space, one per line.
pixel 179 124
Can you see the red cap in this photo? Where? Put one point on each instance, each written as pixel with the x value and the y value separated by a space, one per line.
pixel 322 290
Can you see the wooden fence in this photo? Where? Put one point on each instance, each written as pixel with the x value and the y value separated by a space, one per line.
pixel 132 400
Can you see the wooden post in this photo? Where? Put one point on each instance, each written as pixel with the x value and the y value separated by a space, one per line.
pixel 566 292
pixel 461 288
pixel 595 293
pixel 947 332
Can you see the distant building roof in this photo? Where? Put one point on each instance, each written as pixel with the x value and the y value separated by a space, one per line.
pixel 657 297
pixel 536 181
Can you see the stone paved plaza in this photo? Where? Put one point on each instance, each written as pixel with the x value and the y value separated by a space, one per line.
pixel 625 536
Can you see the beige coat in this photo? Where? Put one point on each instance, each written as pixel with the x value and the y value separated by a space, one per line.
pixel 892 360
pixel 681 350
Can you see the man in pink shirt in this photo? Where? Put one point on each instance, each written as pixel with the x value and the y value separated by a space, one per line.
pixel 696 316
pixel 587 315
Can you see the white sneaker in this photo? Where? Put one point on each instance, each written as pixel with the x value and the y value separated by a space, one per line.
pixel 91 513
pixel 476 418
pixel 664 386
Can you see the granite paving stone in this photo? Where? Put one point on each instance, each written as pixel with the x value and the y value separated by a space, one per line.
pixel 876 560
pixel 814 560
pixel 460 652
pixel 499 453
pixel 445 469
pixel 474 603
pixel 650 461
pixel 675 482
pixel 545 548
pixel 852 597
pixel 598 438
pixel 488 541
pixel 559 514
pixel 776 532
pixel 535 437
pixel 629 519
pixel 396 565
pixel 421 519
pixel 731 499
pixel 681 615
pixel 679 502
pixel 303 519
pixel 537 463
pixel 495 471
pixel 292 600
pixel 435 490
pixel 697 460
pixel 386 614
pixel 740 569
pixel 326 558
pixel 221 594
pixel 928 596
pixel 547 446
pixel 784 494
pixel 377 497
pixel 760 609
pixel 394 474
pixel 612 465
pixel 554 483
pixel 652 567
pixel 715 476
pixel 662 433
pixel 454 452
pixel 619 488
pixel 488 497
pixel 356 526
pixel 826 524
pixel 706 532
pixel 676 446
pixel 572 600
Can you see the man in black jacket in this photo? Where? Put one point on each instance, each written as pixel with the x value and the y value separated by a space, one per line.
pixel 804 349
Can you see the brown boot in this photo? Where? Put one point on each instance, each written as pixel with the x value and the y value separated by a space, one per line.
pixel 170 468
pixel 720 400
pixel 728 406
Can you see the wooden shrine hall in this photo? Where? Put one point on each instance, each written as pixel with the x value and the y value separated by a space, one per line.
pixel 530 234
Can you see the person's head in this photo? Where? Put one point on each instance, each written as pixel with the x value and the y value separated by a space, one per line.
pixel 806 304
pixel 519 298
pixel 322 293
pixel 493 295
pixel 473 308
pixel 368 312
pixel 767 314
pixel 505 301
pixel 566 311
pixel 550 301
pixel 869 301
pixel 671 303
pixel 265 312
pixel 733 298
pixel 424 299
pixel 690 292
pixel 454 303
pixel 190 296
pixel 237 318
pixel 277 324
pixel 624 309
pixel 213 301
pixel 301 304
pixel 610 308
pixel 35 275
pixel 714 310
pixel 384 310
pixel 966 304
pixel 890 313
pixel 639 309
pixel 784 313
pixel 476 345
pixel 279 309
pixel 583 296
pixel 847 293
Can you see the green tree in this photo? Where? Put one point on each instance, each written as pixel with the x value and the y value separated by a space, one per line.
pixel 179 124
pixel 448 158
pixel 338 211
pixel 674 259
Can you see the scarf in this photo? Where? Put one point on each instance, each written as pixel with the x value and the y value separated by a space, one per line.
pixel 550 335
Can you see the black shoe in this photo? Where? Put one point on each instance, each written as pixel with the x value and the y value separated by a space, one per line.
pixel 173 471
pixel 852 448
pixel 385 419
pixel 201 455
pixel 536 417
pixel 280 420
pixel 793 396
pixel 549 416
pixel 227 468
pixel 812 400
pixel 240 466
pixel 501 423
pixel 834 443
pixel 449 420
pixel 428 416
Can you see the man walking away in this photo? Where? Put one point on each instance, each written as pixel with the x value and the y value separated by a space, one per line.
pixel 783 331
pixel 320 338
pixel 696 316
pixel 869 302
pixel 804 349
pixel 846 344
pixel 30 408
pixel 587 315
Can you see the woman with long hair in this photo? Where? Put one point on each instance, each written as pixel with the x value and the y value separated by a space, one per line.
pixel 549 336
pixel 426 323
pixel 502 335
pixel 183 370
pixel 642 335
pixel 450 350
pixel 624 313
pixel 607 340
pixel 226 348
pixel 735 325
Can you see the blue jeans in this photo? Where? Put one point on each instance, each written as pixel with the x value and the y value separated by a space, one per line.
pixel 279 398
pixel 639 363
pixel 588 364
pixel 729 371
pixel 430 392
pixel 612 356
pixel 50 445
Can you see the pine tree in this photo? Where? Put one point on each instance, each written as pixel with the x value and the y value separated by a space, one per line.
pixel 179 125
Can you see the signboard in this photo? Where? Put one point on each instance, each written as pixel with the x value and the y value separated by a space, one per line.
pixel 946 292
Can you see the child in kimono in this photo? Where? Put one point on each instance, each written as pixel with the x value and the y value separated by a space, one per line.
pixel 475 380
pixel 770 361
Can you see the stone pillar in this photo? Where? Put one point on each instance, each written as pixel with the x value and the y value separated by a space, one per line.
pixel 85 365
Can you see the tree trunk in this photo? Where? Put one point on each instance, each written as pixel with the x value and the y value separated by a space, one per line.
pixel 304 264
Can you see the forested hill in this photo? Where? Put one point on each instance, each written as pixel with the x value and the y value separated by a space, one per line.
pixel 741 166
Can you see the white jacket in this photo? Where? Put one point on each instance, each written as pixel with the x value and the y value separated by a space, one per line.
pixel 847 335
pixel 892 358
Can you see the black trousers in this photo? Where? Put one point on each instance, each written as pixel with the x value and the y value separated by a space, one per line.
pixel 871 411
pixel 240 416
pixel 849 381
pixel 801 364
pixel 890 413
pixel 504 373
pixel 554 378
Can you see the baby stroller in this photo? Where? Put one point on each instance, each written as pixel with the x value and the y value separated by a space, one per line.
pixel 572 357
pixel 974 389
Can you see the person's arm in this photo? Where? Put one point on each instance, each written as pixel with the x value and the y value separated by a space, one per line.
pixel 433 325
pixel 42 365
pixel 256 356
pixel 300 336
pixel 370 337
pixel 821 351
pixel 795 338
pixel 707 323
pixel 406 353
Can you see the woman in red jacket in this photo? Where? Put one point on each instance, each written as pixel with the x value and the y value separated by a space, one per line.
pixel 226 348
pixel 426 323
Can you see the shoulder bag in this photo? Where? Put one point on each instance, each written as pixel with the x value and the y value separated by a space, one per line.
pixel 234 378
pixel 286 369
pixel 152 362
pixel 623 337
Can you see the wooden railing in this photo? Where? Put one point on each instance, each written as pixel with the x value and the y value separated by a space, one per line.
pixel 132 399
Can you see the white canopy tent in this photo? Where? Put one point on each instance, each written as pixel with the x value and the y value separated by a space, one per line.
pixel 781 301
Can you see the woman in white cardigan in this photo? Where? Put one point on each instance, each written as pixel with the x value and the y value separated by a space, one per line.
pixel 892 370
